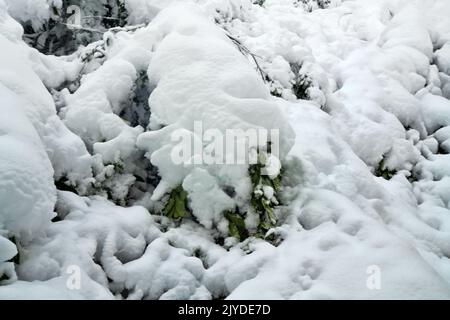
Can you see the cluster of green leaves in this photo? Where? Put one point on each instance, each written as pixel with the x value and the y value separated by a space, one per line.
pixel 3 277
pixel 301 82
pixel 116 14
pixel 236 225
pixel 276 89
pixel 321 4
pixel 176 206
pixel 383 171
pixel 259 2
pixel 276 93
pixel 15 260
pixel 63 184
pixel 263 207
pixel 105 179
pixel 55 37
pixel 137 110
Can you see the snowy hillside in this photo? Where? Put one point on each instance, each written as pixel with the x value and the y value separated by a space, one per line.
pixel 118 179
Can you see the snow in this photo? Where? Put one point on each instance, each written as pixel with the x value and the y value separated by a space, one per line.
pixel 143 11
pixel 294 274
pixel 8 249
pixel 27 192
pixel 433 106
pixel 201 186
pixel 25 10
pixel 442 58
pixel 207 86
pixel 360 94
pixel 54 289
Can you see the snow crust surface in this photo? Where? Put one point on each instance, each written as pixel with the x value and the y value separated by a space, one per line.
pixel 365 153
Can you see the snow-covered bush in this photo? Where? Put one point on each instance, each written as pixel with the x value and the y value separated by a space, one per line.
pixel 311 5
pixel 46 22
pixel 259 2
pixel 25 169
pixel 88 181
pixel 199 92
pixel 7 251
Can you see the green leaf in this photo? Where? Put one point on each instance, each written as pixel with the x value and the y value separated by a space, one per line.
pixel 236 225
pixel 176 206
pixel 383 171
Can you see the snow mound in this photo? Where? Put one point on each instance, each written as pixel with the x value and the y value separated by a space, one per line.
pixel 211 82
pixel 27 192
pixel 359 91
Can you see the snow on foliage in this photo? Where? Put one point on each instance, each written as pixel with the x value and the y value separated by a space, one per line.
pixel 213 83
pixel 358 89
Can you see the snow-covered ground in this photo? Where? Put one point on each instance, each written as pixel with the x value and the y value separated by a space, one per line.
pixel 359 91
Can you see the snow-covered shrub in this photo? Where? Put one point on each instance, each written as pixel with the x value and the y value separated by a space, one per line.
pixel 8 251
pixel 301 83
pixel 176 206
pixel 259 2
pixel 123 97
pixel 264 196
pixel 225 11
pixel 262 203
pixel 199 90
pixel 27 192
pixel 115 15
pixel 46 22
pixel 116 97
pixel 383 171
pixel 138 111
pixel 55 152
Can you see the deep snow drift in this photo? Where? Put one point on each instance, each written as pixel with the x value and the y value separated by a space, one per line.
pixel 359 91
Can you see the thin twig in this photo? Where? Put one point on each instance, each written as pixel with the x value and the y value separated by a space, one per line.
pixel 114 29
pixel 246 52
pixel 99 17
pixel 127 29
pixel 80 28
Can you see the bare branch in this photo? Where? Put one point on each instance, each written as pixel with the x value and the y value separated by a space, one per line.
pixel 246 52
